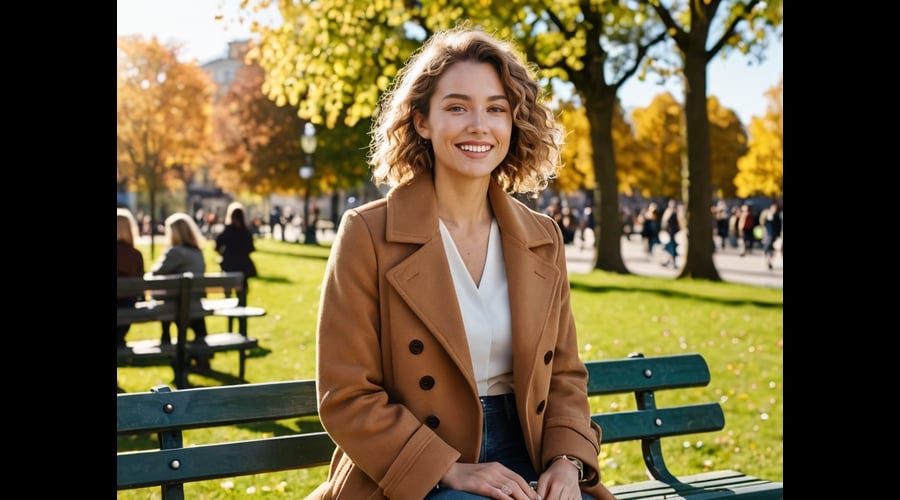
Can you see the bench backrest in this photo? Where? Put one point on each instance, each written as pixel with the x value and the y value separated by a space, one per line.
pixel 648 423
pixel 169 412
pixel 172 287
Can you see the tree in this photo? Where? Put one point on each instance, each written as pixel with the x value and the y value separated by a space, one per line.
pixel 597 47
pixel 260 142
pixel 163 110
pixel 690 30
pixel 658 128
pixel 761 171
pixel 727 144
pixel 333 58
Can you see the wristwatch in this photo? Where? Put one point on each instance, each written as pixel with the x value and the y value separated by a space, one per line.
pixel 576 462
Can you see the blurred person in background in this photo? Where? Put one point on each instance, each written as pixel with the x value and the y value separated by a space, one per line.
pixel 771 222
pixel 183 254
pixel 129 262
pixel 235 244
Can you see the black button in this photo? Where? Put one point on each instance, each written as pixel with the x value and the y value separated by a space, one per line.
pixel 540 408
pixel 416 347
pixel 426 382
pixel 548 357
pixel 432 421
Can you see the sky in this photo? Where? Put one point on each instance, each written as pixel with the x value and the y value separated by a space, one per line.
pixel 192 24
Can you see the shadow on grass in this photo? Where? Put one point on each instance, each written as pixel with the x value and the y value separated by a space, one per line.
pixel 582 287
pixel 294 254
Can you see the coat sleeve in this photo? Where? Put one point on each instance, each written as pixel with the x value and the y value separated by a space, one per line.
pixel 170 260
pixel 380 436
pixel 568 428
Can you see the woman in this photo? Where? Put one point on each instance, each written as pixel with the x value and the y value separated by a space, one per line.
pixel 235 244
pixel 447 361
pixel 183 255
pixel 129 262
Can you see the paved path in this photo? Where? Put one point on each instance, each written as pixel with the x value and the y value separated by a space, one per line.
pixel 750 269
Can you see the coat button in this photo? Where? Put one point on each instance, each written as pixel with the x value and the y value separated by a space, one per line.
pixel 548 357
pixel 416 347
pixel 426 382
pixel 540 408
pixel 432 421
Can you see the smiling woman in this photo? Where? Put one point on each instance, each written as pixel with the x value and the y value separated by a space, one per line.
pixel 444 315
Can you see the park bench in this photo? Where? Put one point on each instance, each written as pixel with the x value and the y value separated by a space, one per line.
pixel 223 290
pixel 168 413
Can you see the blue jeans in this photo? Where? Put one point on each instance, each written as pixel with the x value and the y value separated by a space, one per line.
pixel 501 441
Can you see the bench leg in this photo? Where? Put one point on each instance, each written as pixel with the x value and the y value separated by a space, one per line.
pixel 241 368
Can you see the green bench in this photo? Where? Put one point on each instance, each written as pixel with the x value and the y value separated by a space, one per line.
pixel 168 413
pixel 649 424
pixel 224 290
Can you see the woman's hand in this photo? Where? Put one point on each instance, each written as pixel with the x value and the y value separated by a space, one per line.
pixel 491 479
pixel 559 482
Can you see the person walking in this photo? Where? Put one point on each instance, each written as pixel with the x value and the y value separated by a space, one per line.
pixel 650 227
pixel 447 357
pixel 672 222
pixel 746 223
pixel 771 221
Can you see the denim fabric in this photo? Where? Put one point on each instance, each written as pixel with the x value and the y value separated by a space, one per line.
pixel 501 442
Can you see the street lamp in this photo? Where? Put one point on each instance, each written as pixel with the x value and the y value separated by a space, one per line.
pixel 308 143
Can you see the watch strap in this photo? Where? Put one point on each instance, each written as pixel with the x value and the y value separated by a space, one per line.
pixel 577 463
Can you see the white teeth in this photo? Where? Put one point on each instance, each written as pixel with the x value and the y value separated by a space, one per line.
pixel 474 149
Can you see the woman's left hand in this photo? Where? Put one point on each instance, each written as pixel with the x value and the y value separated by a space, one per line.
pixel 559 482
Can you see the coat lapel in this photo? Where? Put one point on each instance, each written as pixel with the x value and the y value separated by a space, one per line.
pixel 532 281
pixel 423 278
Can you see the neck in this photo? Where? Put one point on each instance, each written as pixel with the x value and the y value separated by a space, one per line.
pixel 463 206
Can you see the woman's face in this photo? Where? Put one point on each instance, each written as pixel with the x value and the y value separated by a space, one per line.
pixel 470 123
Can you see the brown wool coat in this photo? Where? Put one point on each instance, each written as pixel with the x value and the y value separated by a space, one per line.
pixel 396 386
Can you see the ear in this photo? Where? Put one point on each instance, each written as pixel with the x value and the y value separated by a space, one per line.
pixel 421 124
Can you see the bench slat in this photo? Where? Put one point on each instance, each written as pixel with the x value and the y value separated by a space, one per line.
pixel 130 287
pixel 631 374
pixel 215 406
pixel 675 421
pixel 707 485
pixel 203 462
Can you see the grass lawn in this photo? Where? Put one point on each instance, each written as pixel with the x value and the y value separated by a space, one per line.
pixel 737 328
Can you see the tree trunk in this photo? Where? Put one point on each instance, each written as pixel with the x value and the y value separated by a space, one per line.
pixel 599 105
pixel 698 197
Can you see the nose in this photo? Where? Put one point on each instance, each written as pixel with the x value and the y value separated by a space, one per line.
pixel 477 123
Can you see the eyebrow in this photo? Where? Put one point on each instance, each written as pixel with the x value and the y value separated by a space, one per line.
pixel 468 98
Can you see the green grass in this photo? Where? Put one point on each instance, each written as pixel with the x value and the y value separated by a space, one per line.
pixel 737 328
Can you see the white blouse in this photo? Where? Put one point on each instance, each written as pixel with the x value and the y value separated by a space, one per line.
pixel 485 313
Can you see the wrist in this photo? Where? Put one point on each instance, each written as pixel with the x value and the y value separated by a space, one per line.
pixel 574 462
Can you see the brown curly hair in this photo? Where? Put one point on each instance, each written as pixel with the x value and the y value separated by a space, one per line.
pixel 398 153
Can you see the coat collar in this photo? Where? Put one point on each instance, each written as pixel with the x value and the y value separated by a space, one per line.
pixel 412 214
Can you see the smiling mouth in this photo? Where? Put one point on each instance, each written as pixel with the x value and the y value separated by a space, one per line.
pixel 474 149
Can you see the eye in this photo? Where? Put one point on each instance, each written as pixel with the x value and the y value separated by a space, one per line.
pixel 455 108
pixel 497 109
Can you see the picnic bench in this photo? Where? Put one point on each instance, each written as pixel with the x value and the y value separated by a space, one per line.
pixel 168 413
pixel 174 298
